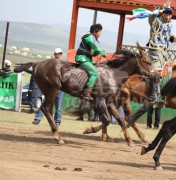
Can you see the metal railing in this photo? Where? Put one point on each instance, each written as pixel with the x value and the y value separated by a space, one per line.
pixel 171 53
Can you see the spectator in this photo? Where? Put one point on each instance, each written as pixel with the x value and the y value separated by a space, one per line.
pixel 97 114
pixel 33 93
pixel 58 99
pixel 89 113
pixel 90 116
pixel 4 72
pixel 157 117
pixel 122 115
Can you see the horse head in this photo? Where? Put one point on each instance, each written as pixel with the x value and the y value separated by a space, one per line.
pixel 138 63
pixel 144 62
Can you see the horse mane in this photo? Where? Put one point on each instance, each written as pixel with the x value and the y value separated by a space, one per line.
pixel 126 55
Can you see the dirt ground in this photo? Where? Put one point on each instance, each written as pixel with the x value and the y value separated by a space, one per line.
pixel 29 152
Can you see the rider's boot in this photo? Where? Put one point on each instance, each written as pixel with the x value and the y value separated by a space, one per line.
pixel 87 93
pixel 154 94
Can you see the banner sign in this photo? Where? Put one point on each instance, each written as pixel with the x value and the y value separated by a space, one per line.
pixel 8 87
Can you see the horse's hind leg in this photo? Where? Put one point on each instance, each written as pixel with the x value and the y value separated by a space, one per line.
pixel 46 108
pixel 113 110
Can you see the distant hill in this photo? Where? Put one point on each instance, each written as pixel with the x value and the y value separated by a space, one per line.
pixel 45 37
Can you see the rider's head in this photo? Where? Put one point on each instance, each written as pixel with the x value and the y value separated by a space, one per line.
pixel 96 30
pixel 167 14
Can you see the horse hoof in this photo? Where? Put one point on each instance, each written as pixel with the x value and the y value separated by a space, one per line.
pixel 130 144
pixel 55 136
pixel 109 139
pixel 143 151
pixel 146 140
pixel 61 142
pixel 158 168
pixel 87 131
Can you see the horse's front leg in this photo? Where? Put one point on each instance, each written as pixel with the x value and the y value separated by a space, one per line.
pixel 113 110
pixel 167 130
pixel 128 112
pixel 165 127
pixel 160 148
pixel 46 108
pixel 125 102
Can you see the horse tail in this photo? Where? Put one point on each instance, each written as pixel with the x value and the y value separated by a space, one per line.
pixel 24 67
pixel 169 88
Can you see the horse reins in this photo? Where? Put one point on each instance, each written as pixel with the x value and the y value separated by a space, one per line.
pixel 141 68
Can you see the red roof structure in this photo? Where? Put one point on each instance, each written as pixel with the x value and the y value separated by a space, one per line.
pixel 121 7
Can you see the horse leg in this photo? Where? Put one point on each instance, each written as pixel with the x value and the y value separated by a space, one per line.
pixel 113 110
pixel 47 110
pixel 125 102
pixel 128 113
pixel 105 117
pixel 169 133
pixel 166 125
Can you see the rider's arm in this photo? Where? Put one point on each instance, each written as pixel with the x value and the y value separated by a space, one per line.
pixel 94 47
pixel 157 11
pixel 155 25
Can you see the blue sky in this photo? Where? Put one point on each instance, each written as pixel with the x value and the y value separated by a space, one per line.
pixel 60 11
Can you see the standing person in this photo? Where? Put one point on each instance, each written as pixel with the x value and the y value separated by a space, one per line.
pixel 122 116
pixel 157 117
pixel 160 36
pixel 87 49
pixel 97 114
pixel 58 99
pixel 89 113
pixel 33 93
pixel 90 116
pixel 4 72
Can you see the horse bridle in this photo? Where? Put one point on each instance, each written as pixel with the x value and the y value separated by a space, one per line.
pixel 142 70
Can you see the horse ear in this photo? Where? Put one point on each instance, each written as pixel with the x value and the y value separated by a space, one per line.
pixel 141 49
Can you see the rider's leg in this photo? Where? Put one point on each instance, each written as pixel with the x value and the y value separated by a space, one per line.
pixel 93 75
pixel 154 90
pixel 158 58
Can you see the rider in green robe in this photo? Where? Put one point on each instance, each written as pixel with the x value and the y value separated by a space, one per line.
pixel 87 49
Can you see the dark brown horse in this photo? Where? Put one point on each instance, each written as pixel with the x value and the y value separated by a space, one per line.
pixel 53 75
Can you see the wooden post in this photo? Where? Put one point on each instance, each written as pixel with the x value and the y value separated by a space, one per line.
pixel 120 33
pixel 95 17
pixel 73 25
pixel 5 44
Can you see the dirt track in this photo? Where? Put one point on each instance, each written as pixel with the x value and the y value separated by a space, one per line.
pixel 30 153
